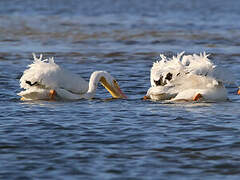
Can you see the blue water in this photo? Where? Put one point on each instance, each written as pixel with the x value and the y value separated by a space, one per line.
pixel 117 139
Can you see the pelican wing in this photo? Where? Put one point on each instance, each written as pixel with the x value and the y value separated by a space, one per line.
pixel 201 65
pixel 189 64
pixel 34 93
pixel 48 75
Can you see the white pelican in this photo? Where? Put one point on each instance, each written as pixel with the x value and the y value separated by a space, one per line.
pixel 188 77
pixel 45 80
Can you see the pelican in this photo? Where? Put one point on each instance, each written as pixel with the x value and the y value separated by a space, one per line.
pixel 189 78
pixel 45 80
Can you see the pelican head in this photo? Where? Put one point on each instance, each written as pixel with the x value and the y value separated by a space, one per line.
pixel 109 82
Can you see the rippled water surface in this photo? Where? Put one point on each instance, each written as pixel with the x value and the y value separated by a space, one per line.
pixel 117 139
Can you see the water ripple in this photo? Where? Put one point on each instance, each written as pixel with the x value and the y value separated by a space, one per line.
pixel 105 138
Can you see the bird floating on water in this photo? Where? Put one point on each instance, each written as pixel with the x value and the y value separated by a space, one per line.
pixel 45 80
pixel 189 78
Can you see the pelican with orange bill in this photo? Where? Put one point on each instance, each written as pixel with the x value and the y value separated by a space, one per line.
pixel 45 80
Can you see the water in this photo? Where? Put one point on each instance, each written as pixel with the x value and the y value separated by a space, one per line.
pixel 117 139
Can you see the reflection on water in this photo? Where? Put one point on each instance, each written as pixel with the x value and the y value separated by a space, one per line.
pixel 117 139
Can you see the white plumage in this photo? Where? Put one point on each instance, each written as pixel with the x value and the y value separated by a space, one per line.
pixel 42 76
pixel 188 77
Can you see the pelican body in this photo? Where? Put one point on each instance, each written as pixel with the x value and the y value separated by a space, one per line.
pixel 45 80
pixel 189 78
